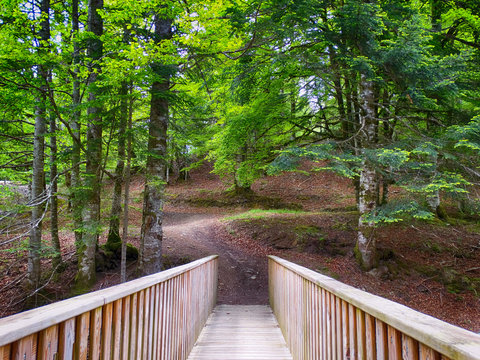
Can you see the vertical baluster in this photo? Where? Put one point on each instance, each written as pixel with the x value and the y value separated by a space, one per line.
pixel 409 348
pixel 106 332
pixel 361 351
pixel 140 324
pixel 117 329
pixel 134 326
pixel 95 334
pixel 338 327
pixel 48 343
pixel 146 319
pixel 345 330
pixel 324 325
pixel 427 353
pixel 352 328
pixel 371 345
pixel 66 340
pixel 5 352
pixel 381 339
pixel 26 348
pixel 82 331
pixel 394 343
pixel 155 290
pixel 126 326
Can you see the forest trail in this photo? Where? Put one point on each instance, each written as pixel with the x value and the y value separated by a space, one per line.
pixel 242 276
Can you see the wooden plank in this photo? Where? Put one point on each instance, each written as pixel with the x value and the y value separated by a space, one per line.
pixel 381 340
pixel 26 348
pixel 133 325
pixel 324 325
pixel 107 333
pixel 117 329
pixel 146 325
pixel 329 351
pixel 17 326
pixel 160 320
pixel 370 340
pixel 394 343
pixel 95 334
pixel 126 325
pixel 5 352
pixel 345 330
pixel 352 328
pixel 241 332
pixel 66 340
pixel 81 336
pixel 409 348
pixel 140 324
pixel 338 327
pixel 361 335
pixel 447 339
pixel 427 353
pixel 48 343
pixel 156 293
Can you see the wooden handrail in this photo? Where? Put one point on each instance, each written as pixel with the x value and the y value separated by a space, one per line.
pixel 157 316
pixel 322 318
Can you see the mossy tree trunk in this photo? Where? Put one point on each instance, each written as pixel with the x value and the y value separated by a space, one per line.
pixel 150 260
pixel 368 181
pixel 91 211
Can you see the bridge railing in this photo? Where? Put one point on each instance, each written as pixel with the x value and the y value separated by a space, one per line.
pixel 322 318
pixel 155 317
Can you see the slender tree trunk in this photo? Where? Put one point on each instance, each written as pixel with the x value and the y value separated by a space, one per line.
pixel 57 259
pixel 38 200
pixel 123 260
pixel 37 196
pixel 114 230
pixel 368 183
pixel 75 195
pixel 91 211
pixel 151 239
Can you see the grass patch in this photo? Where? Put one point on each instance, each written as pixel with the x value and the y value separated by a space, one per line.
pixel 261 214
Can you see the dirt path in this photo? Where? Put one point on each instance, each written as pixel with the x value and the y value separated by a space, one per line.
pixel 242 277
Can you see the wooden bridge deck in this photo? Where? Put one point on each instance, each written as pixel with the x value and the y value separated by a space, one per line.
pixel 241 332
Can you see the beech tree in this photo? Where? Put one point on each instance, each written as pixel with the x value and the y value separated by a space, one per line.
pixel 86 275
pixel 151 239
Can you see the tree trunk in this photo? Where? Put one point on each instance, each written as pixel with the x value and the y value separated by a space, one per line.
pixel 91 211
pixel 114 230
pixel 75 194
pixel 38 175
pixel 368 182
pixel 123 260
pixel 57 258
pixel 151 240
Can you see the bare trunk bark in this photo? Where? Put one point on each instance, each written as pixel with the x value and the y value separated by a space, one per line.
pixel 123 260
pixel 151 239
pixel 91 211
pixel 114 230
pixel 368 182
pixel 37 194
pixel 38 175
pixel 57 258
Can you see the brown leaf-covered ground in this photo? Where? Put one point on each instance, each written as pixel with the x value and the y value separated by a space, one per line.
pixel 431 267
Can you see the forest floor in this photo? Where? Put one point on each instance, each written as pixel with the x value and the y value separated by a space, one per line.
pixel 433 267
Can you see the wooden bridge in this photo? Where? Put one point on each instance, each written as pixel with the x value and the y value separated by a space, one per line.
pixel 172 315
